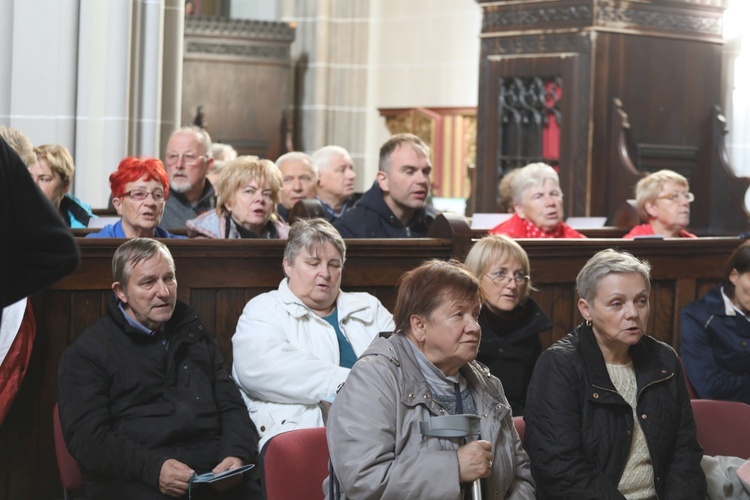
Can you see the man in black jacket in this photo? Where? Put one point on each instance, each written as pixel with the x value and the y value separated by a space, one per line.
pixel 144 400
pixel 396 204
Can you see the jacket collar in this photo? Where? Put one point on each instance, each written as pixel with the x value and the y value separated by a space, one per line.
pixel 350 306
pixel 182 316
pixel 649 366
pixel 416 391
pixel 373 199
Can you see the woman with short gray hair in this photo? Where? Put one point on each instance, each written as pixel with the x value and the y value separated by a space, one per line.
pixel 295 346
pixel 537 205
pixel 607 412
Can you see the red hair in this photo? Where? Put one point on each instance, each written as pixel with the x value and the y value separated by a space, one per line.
pixel 131 169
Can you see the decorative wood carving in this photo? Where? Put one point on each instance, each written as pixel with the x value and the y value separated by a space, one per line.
pixel 238 72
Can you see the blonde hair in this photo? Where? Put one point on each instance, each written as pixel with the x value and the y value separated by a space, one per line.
pixel 647 190
pixel 240 172
pixel 494 248
pixel 59 160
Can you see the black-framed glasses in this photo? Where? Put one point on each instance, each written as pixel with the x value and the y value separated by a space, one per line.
pixel 142 194
pixel 190 158
pixel 501 277
pixel 688 196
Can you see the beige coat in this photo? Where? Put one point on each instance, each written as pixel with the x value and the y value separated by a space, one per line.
pixel 377 450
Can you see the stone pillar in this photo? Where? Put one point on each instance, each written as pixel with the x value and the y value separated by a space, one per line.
pixel 171 91
pixel 103 94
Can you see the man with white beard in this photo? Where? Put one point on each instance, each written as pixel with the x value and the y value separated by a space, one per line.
pixel 188 159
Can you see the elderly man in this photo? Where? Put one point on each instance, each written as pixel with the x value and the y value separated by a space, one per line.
pixel 144 400
pixel 336 177
pixel 187 160
pixel 300 176
pixel 396 205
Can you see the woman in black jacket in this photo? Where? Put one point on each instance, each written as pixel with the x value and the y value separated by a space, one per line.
pixel 608 414
pixel 511 321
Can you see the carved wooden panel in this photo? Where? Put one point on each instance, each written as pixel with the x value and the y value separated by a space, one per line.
pixel 238 72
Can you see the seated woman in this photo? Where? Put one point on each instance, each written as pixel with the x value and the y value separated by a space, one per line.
pixel 248 190
pixel 715 333
pixel 294 346
pixel 537 204
pixel 607 412
pixel 511 321
pixel 140 187
pixel 423 372
pixel 663 200
pixel 53 173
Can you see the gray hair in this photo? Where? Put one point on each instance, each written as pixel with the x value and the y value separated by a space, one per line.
pixel 223 152
pixel 300 157
pixel 133 252
pixel 533 174
pixel 199 133
pixel 322 157
pixel 606 262
pixel 308 234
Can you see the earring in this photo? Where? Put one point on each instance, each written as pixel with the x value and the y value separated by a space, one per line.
pixel 421 344
pixel 588 322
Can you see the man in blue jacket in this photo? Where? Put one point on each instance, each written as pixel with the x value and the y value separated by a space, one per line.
pixel 144 400
pixel 396 204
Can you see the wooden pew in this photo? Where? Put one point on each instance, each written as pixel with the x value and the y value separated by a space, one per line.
pixel 218 277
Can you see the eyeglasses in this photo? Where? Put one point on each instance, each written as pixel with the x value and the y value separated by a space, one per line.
pixel 190 158
pixel 142 194
pixel 689 197
pixel 501 277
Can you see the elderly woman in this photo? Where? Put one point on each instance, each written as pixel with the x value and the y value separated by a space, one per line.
pixel 248 190
pixel 714 335
pixel 423 372
pixel 663 201
pixel 607 413
pixel 511 321
pixel 294 347
pixel 139 189
pixel 537 204
pixel 53 173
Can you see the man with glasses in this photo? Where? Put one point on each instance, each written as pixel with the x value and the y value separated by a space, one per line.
pixel 663 201
pixel 188 159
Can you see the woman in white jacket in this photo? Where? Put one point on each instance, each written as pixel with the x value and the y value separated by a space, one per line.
pixel 295 346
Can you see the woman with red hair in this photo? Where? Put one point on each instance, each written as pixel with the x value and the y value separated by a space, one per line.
pixel 140 187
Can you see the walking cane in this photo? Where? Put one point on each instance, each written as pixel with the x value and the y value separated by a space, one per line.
pixel 451 426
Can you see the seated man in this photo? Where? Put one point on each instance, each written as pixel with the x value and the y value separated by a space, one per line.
pixel 336 177
pixel 299 178
pixel 396 204
pixel 188 160
pixel 144 400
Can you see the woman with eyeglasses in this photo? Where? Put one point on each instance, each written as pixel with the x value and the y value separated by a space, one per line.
pixel 140 187
pixel 663 201
pixel 248 190
pixel 510 320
